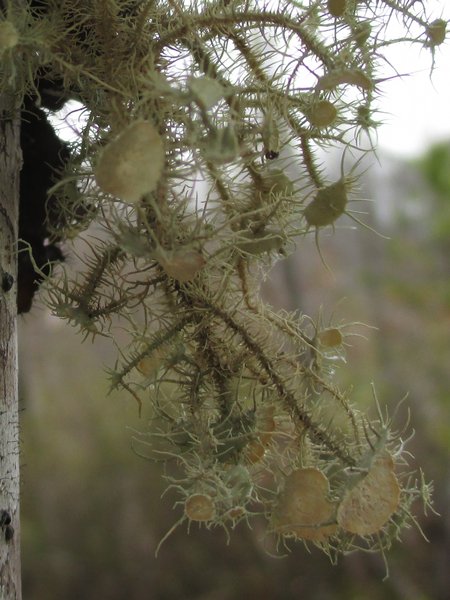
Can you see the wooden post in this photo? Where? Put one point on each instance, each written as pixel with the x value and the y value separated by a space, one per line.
pixel 10 163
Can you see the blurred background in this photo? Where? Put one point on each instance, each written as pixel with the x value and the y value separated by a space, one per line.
pixel 92 512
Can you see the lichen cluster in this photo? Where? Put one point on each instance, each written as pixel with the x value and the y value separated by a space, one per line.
pixel 197 157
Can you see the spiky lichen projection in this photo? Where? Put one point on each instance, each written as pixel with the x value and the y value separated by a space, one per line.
pixel 9 36
pixel 328 205
pixel 130 166
pixel 371 502
pixel 330 338
pixel 303 509
pixel 199 507
pixel 322 113
pixel 197 157
pixel 436 32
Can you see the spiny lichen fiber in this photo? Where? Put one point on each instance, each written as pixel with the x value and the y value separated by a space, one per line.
pixel 236 97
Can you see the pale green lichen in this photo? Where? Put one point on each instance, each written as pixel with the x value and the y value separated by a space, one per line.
pixel 185 104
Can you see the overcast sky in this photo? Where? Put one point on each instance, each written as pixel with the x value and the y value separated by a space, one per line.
pixel 417 106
